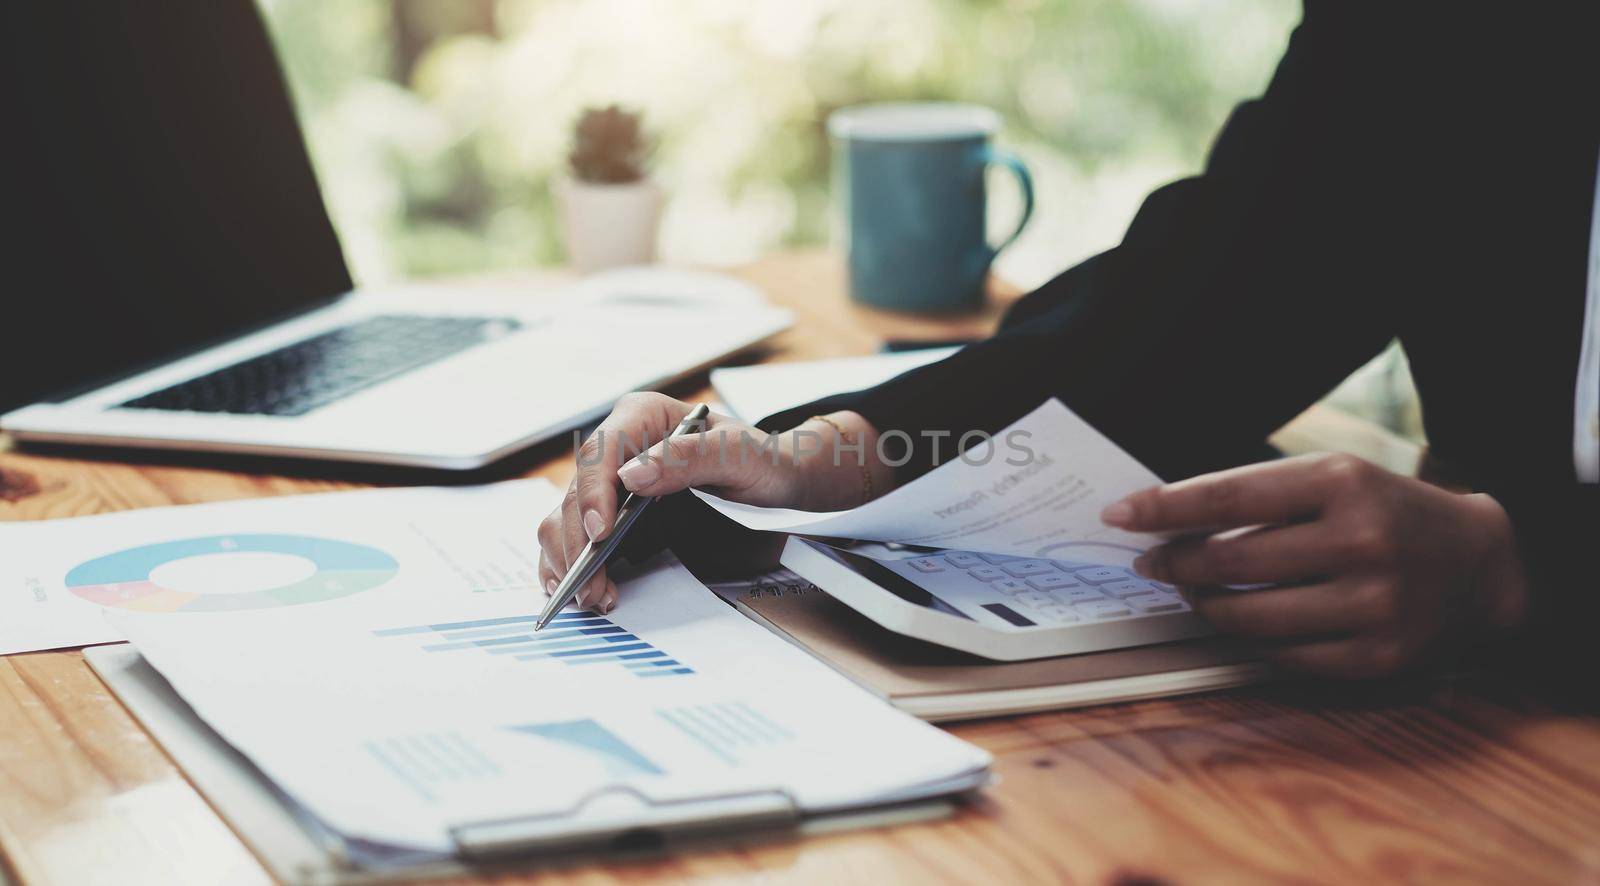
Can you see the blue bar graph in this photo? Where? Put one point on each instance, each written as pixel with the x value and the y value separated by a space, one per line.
pixel 572 638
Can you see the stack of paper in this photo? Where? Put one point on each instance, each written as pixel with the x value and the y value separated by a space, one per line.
pixel 380 669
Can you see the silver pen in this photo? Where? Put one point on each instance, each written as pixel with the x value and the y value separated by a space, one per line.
pixel 594 556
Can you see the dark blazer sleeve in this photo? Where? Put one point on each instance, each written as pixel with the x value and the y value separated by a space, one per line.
pixel 1232 303
pixel 1242 295
pixel 1556 528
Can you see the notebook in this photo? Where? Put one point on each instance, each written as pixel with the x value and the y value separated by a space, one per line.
pixel 940 684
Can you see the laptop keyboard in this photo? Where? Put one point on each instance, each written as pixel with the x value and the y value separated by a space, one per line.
pixel 320 370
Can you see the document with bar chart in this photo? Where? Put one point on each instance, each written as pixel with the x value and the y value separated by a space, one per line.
pixel 396 714
pixel 572 638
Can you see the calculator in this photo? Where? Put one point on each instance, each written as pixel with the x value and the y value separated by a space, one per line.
pixel 1000 607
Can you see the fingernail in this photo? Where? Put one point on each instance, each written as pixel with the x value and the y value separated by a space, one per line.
pixel 593 524
pixel 609 605
pixel 1149 565
pixel 639 473
pixel 1117 514
pixel 549 587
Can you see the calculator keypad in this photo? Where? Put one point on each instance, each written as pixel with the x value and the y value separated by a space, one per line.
pixel 1045 593
pixel 1128 588
pixel 1025 568
pixel 1050 581
pixel 1099 575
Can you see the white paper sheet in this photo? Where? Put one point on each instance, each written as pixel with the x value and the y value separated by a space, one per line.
pixel 58 576
pixel 755 392
pixel 1040 492
pixel 424 702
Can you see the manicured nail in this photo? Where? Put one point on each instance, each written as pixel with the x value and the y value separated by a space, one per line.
pixel 593 524
pixel 1117 514
pixel 1149 565
pixel 549 587
pixel 639 473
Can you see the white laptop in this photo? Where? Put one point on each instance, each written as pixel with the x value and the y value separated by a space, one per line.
pixel 417 377
pixel 176 282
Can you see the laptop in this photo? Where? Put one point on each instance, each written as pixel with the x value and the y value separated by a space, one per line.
pixel 174 280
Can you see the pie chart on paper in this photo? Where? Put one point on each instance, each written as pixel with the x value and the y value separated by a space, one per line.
pixel 222 573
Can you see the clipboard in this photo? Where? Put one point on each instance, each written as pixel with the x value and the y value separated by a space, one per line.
pixel 614 823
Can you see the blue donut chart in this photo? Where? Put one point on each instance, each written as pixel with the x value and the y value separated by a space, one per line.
pixel 122 579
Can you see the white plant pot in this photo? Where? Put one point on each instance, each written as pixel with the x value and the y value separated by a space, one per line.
pixel 609 225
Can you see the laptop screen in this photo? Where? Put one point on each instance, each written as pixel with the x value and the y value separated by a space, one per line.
pixel 158 192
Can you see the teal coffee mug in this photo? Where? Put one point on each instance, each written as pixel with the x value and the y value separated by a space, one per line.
pixel 909 180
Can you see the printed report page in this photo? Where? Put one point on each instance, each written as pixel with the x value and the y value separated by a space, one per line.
pixel 418 705
pixel 1036 489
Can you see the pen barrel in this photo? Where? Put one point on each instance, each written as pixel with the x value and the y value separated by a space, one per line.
pixel 594 555
pixel 627 515
pixel 691 421
pixel 598 553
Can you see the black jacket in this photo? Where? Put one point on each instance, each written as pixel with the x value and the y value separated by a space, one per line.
pixel 1423 171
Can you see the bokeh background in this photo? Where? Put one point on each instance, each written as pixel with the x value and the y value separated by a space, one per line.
pixel 438 126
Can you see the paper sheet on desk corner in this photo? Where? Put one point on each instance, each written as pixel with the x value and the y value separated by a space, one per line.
pixel 1041 501
pixel 58 578
pixel 755 392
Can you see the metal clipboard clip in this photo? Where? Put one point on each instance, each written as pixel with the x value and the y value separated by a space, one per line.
pixel 620 818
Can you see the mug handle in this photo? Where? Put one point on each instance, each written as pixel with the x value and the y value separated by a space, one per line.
pixel 1002 157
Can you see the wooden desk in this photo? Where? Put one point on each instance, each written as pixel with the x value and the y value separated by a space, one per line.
pixel 1467 781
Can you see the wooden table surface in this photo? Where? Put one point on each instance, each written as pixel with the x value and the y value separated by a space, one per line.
pixel 1471 780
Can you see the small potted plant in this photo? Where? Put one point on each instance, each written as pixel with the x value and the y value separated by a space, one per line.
pixel 609 207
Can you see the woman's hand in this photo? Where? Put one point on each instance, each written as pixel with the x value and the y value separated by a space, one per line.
pixel 1369 571
pixel 795 469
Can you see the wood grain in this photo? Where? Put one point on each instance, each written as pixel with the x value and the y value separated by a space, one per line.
pixel 1470 782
